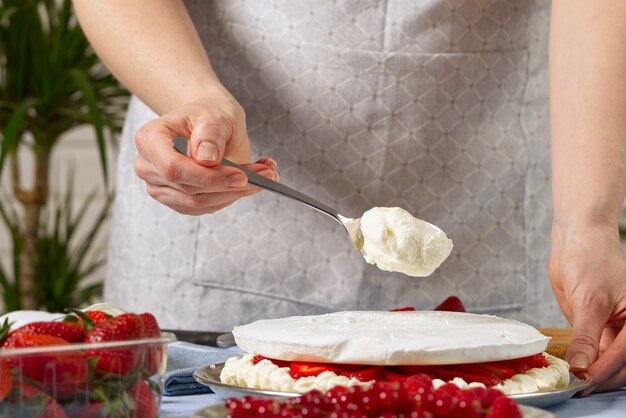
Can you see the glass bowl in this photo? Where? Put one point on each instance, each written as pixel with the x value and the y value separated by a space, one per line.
pixel 112 378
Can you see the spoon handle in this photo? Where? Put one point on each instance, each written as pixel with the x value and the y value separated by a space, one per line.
pixel 180 144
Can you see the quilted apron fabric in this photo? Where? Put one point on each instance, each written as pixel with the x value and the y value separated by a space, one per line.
pixel 439 107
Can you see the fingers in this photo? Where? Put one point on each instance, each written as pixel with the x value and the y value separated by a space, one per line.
pixel 182 173
pixel 609 369
pixel 616 381
pixel 589 318
pixel 215 128
pixel 196 204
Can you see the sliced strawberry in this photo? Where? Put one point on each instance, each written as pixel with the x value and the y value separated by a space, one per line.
pixel 411 370
pixel 258 358
pixel 280 363
pixel 470 369
pixel 391 376
pixel 499 369
pixel 298 369
pixel 405 309
pixel 451 304
pixel 524 364
pixel 367 374
pixel 536 361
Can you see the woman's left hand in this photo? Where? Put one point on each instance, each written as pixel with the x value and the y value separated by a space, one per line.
pixel 587 271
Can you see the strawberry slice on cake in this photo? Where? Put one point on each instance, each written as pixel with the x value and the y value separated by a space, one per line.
pixel 356 348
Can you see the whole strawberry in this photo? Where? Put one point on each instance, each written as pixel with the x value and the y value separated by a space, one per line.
pixel 61 373
pixel 97 316
pixel 72 332
pixel 28 401
pixel 153 353
pixel 145 402
pixel 118 361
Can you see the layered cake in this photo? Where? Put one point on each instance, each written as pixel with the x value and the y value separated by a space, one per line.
pixel 356 348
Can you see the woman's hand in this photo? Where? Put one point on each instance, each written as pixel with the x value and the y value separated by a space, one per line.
pixel 199 185
pixel 588 274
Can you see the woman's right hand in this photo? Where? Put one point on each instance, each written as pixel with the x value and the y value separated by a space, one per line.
pixel 216 127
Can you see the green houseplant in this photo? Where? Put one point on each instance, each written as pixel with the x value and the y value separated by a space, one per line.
pixel 50 82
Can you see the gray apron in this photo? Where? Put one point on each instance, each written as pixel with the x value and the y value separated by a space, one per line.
pixel 439 107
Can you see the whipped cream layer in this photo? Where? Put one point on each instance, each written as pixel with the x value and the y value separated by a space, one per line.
pixel 391 338
pixel 242 371
pixel 394 240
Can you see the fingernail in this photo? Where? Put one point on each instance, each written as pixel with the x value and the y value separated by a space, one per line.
pixel 270 163
pixel 207 151
pixel 268 173
pixel 236 180
pixel 579 361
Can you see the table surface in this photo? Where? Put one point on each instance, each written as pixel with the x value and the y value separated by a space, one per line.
pixel 601 405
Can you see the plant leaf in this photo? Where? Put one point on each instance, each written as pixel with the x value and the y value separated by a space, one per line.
pixel 14 130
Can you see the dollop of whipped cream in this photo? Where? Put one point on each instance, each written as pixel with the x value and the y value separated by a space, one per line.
pixel 242 371
pixel 391 338
pixel 394 240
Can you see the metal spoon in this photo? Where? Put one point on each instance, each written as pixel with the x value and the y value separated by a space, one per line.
pixel 351 225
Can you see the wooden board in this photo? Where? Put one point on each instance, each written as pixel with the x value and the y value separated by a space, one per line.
pixel 560 338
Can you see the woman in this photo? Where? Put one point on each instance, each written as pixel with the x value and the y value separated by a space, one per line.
pixel 434 106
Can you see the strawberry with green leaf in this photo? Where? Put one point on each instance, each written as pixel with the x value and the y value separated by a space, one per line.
pixel 117 361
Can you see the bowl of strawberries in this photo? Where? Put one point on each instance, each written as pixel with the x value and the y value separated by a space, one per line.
pixel 84 364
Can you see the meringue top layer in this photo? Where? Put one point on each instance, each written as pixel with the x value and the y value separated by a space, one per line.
pixel 394 240
pixel 391 338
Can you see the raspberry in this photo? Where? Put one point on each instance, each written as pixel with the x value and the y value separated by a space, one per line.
pixel 387 396
pixel 486 396
pixel 469 406
pixel 418 384
pixel 335 393
pixel 446 400
pixel 419 413
pixel 504 407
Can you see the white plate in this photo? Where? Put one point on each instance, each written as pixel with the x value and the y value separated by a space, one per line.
pixel 210 376
pixel 218 411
